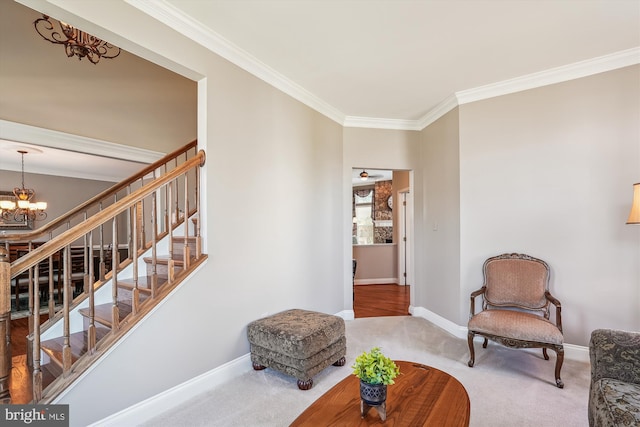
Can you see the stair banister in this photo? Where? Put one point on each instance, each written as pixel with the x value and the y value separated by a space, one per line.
pixel 96 222
pixel 73 234
pixel 96 200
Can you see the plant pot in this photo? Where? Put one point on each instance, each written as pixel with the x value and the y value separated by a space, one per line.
pixel 373 394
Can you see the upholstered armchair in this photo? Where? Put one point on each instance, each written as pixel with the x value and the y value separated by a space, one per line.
pixel 515 308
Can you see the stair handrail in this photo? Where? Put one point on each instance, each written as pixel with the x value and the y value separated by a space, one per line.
pixel 67 237
pixel 54 224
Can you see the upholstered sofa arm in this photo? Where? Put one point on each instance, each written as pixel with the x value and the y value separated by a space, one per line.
pixel 615 354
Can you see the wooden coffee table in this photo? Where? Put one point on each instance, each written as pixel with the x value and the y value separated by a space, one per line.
pixel 421 396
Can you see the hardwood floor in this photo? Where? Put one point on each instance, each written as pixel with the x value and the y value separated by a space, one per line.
pixel 381 300
pixel 370 301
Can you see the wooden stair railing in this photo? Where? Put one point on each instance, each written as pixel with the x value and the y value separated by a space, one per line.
pixel 166 197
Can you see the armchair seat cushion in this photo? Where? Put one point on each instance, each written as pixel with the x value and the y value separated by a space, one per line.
pixel 516 325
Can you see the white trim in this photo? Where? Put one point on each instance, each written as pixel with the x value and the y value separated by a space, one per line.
pixel 571 351
pixel 27 134
pixel 193 29
pixel 438 111
pixel 379 281
pixel 375 123
pixel 565 73
pixel 175 396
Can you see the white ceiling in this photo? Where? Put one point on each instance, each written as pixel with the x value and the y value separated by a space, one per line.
pixel 399 60
pixel 59 162
pixel 391 63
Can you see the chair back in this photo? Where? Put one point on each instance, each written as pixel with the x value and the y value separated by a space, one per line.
pixel 516 280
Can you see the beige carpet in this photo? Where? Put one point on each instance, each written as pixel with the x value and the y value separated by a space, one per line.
pixel 506 387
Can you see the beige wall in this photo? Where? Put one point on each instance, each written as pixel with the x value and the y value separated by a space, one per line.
pixel 437 225
pixel 125 100
pixel 377 264
pixel 549 172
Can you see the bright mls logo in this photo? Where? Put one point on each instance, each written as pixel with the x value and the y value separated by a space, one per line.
pixel 35 415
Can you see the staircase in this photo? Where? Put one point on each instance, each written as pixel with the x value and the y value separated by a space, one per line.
pixel 156 218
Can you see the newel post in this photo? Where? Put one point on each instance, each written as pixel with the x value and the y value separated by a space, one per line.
pixel 5 326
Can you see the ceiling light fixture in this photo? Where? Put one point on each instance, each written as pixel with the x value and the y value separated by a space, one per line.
pixel 75 42
pixel 23 209
pixel 364 175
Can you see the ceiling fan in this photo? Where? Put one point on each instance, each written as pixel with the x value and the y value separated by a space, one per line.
pixel 366 176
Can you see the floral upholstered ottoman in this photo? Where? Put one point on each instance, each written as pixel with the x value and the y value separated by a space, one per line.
pixel 297 342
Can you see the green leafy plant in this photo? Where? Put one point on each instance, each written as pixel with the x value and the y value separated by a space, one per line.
pixel 373 367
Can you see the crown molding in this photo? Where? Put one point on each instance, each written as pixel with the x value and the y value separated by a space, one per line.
pixel 18 132
pixel 193 29
pixel 184 24
pixel 375 123
pixel 565 73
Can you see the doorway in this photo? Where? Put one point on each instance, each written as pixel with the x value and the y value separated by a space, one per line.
pixel 382 216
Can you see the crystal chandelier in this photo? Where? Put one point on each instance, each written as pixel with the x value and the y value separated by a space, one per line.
pixel 24 208
pixel 75 42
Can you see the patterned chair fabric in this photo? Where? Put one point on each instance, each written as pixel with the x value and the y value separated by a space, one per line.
pixel 515 308
pixel 614 393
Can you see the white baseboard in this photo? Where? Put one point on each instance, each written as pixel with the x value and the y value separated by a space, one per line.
pixel 382 281
pixel 175 396
pixel 571 351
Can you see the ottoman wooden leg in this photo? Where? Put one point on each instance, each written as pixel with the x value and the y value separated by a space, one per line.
pixel 305 385
pixel 340 362
pixel 258 367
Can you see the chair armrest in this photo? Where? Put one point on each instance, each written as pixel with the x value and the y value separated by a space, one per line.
pixel 474 294
pixel 553 300
pixel 615 354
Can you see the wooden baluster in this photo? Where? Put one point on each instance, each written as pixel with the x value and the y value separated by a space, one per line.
pixel 102 265
pixel 154 221
pixel 135 292
pixel 198 215
pixel 5 325
pixel 37 373
pixel 91 330
pixel 186 254
pixel 115 314
pixel 66 346
pixel 87 261
pixel 170 272
pixel 30 305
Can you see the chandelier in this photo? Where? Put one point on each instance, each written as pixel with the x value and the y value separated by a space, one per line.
pixel 24 208
pixel 75 42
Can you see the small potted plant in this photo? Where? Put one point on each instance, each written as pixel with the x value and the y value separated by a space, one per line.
pixel 376 371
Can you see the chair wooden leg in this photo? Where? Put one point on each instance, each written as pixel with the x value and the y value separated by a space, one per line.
pixel 544 353
pixel 472 356
pixel 484 344
pixel 559 360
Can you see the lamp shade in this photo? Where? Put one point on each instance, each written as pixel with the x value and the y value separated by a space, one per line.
pixel 634 215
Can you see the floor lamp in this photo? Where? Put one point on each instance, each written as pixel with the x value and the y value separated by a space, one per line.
pixel 634 215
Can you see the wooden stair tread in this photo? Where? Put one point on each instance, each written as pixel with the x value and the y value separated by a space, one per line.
pixel 103 312
pixel 144 282
pixel 164 260
pixel 181 239
pixel 78 343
